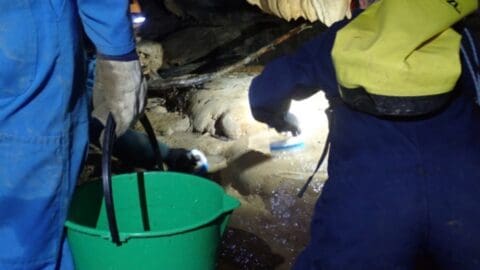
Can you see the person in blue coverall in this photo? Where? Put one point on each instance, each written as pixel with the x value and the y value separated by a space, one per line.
pixel 398 187
pixel 44 115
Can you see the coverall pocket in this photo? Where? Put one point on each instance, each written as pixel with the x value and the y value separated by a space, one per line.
pixel 18 48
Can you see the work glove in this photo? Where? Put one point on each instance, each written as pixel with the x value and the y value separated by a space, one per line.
pixel 120 89
pixel 281 121
pixel 286 122
pixel 187 161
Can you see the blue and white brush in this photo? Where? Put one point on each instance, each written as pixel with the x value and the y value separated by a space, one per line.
pixel 287 144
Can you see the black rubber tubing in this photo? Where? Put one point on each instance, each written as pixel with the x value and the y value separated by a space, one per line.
pixel 107 148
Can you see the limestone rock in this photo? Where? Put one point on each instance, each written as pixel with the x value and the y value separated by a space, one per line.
pixel 169 123
pixel 151 57
pixel 326 11
pixel 222 108
pixel 204 38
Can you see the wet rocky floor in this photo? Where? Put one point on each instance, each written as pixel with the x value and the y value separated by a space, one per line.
pixel 272 224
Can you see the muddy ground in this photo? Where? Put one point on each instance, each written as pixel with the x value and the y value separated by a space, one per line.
pixel 271 226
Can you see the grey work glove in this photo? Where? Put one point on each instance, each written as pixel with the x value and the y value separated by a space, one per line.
pixel 121 89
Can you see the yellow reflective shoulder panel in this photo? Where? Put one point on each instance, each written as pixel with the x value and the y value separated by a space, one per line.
pixel 402 48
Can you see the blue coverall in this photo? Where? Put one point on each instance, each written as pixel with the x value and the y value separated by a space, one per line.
pixel 44 119
pixel 396 187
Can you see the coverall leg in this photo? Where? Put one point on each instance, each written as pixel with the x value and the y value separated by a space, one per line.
pixel 43 130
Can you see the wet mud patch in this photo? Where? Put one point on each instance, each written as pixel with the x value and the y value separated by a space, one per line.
pixel 242 250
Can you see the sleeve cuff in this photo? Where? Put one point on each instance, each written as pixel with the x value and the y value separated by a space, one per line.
pixel 131 56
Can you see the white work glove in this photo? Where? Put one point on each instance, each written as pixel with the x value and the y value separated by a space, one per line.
pixel 121 89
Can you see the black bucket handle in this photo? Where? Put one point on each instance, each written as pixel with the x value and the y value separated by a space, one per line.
pixel 108 140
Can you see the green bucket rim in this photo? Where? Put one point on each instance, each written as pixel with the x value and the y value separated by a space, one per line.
pixel 230 204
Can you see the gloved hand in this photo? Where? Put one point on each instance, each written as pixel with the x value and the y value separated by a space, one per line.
pixel 187 161
pixel 285 122
pixel 281 121
pixel 121 89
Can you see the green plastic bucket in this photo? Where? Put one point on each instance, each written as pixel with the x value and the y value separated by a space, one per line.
pixel 166 220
